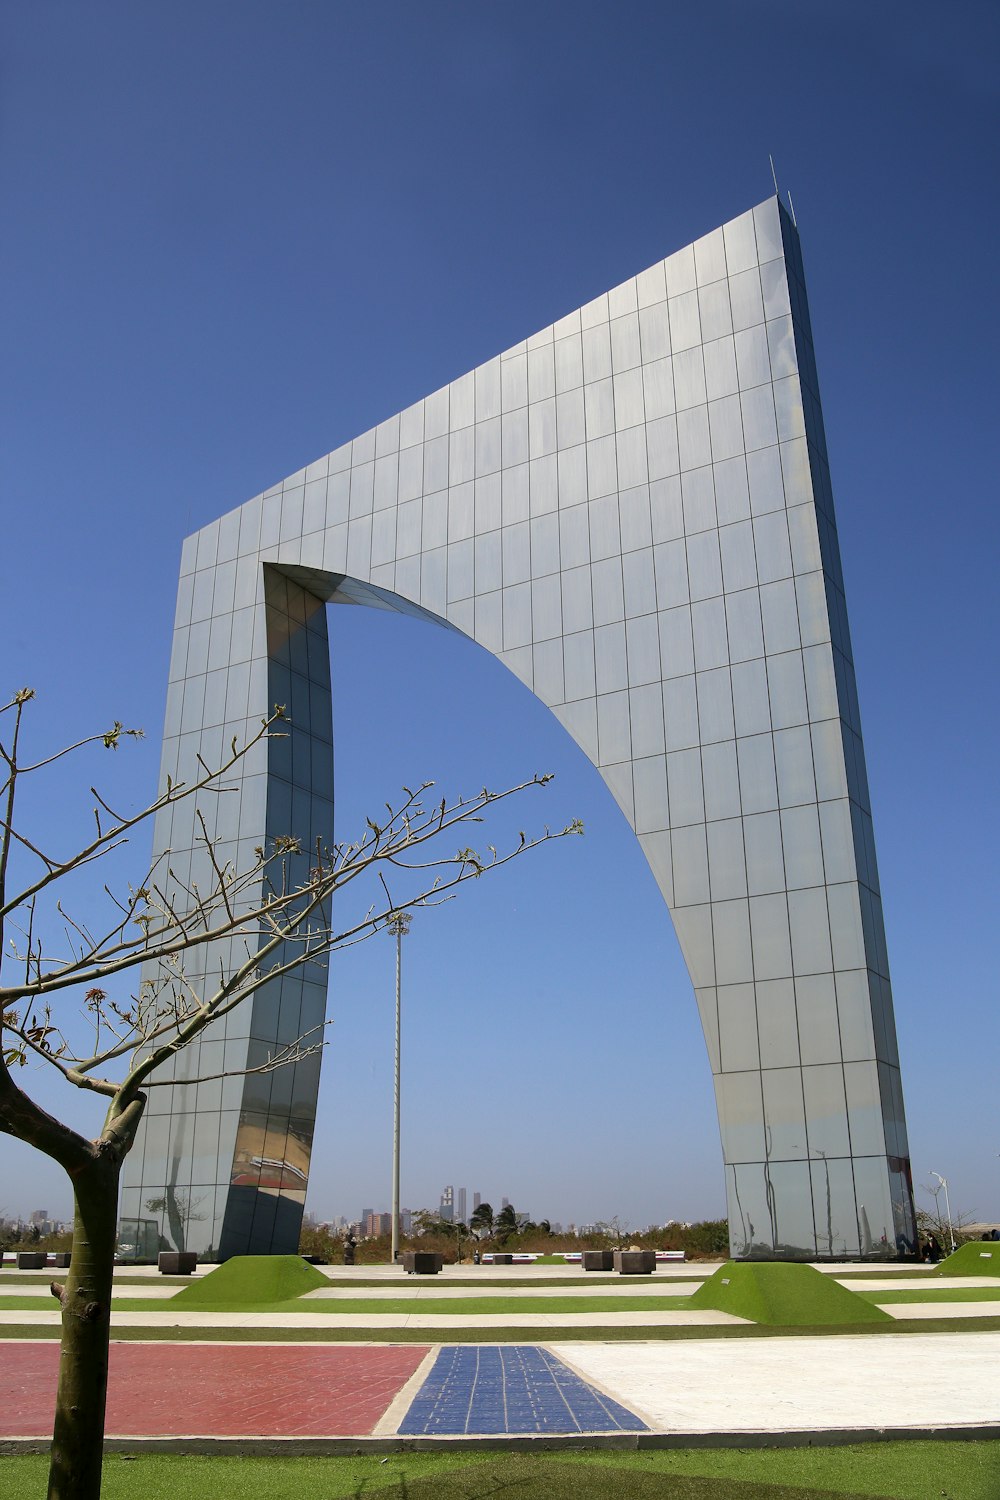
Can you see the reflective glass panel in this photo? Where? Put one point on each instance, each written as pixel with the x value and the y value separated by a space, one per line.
pixel 737 1027
pixel 772 957
pixel 794 1231
pixel 826 1110
pixel 750 1211
pixel 765 865
pixel 741 1111
pixel 722 783
pixel 690 865
pixel 784 1115
pixel 727 865
pixel 777 1026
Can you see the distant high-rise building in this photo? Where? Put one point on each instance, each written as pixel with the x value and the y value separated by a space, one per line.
pixel 447 1205
pixel 505 1203
pixel 461 1205
pixel 477 1198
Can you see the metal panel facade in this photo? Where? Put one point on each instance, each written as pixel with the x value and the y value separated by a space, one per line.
pixel 632 510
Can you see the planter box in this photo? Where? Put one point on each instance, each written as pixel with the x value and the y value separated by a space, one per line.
pixel 31 1260
pixel 421 1262
pixel 503 1260
pixel 598 1260
pixel 176 1262
pixel 62 1259
pixel 635 1262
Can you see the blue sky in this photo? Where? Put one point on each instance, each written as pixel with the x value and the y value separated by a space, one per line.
pixel 238 234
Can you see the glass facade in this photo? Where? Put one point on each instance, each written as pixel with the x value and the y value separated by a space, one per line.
pixel 632 510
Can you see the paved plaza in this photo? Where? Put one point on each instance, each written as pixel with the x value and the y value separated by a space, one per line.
pixel 167 1384
pixel 698 1388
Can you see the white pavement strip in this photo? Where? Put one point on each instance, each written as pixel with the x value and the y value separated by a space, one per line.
pixel 942 1283
pixel 902 1311
pixel 748 1385
pixel 379 1293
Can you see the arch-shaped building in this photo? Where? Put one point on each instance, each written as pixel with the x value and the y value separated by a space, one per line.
pixel 632 510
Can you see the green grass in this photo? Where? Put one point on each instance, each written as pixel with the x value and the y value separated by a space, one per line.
pixel 456 1307
pixel 977 1258
pixel 783 1294
pixel 462 1307
pixel 251 1280
pixel 877 1471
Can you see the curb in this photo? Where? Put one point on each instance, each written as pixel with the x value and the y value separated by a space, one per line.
pixel 333 1447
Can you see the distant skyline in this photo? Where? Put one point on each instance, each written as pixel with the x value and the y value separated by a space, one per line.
pixel 238 235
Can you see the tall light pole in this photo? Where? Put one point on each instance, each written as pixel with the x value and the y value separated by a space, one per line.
pixel 947 1208
pixel 399 925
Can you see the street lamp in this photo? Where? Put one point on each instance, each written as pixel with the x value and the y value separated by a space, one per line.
pixel 398 924
pixel 947 1208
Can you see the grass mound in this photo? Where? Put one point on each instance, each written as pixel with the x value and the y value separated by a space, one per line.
pixel 977 1258
pixel 783 1294
pixel 247 1280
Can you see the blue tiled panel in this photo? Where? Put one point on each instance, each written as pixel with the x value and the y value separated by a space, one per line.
pixel 510 1388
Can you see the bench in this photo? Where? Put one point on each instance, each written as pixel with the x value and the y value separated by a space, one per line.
pixel 176 1262
pixel 635 1262
pixel 422 1262
pixel 598 1260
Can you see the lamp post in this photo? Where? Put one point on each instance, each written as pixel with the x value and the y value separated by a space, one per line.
pixel 398 924
pixel 947 1208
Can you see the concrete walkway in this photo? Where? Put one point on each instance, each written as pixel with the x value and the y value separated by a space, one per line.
pixel 291 1398
pixel 442 1322
pixel 778 1385
pixel 160 1316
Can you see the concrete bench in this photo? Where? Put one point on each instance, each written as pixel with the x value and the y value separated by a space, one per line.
pixel 31 1260
pixel 176 1262
pixel 422 1262
pixel 635 1262
pixel 598 1260
pixel 61 1259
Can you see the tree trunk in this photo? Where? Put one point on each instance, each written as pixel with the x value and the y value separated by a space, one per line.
pixel 78 1435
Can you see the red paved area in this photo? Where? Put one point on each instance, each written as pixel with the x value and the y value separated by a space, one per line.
pixel 218 1390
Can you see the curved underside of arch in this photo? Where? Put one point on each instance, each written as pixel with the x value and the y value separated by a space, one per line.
pixel 632 510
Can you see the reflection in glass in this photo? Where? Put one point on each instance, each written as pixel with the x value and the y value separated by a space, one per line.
pixel 751 1211
pixel 834 1209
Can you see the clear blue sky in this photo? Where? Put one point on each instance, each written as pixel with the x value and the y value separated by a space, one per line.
pixel 237 234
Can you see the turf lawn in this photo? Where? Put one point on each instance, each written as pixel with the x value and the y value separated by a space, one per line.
pixel 458 1307
pixel 892 1471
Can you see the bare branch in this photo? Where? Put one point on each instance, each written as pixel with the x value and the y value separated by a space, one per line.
pixel 276 913
pixel 175 792
pixel 291 1052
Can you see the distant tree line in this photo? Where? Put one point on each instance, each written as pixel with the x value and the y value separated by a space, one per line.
pixel 509 1230
pixel 30 1237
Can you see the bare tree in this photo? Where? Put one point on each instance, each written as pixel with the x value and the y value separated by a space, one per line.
pixel 275 916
